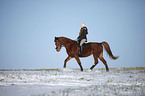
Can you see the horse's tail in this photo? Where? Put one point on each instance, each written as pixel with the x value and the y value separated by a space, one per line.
pixel 107 48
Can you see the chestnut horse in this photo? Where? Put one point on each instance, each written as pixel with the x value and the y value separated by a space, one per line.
pixel 94 48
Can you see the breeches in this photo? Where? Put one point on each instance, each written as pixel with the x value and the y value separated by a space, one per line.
pixel 82 42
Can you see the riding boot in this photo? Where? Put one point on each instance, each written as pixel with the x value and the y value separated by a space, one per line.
pixel 81 51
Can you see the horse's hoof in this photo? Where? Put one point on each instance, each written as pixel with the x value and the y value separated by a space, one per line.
pixel 107 70
pixel 89 70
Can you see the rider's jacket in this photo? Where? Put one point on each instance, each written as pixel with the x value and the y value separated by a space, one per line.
pixel 83 33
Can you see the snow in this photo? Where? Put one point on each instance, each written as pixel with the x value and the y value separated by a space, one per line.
pixel 73 82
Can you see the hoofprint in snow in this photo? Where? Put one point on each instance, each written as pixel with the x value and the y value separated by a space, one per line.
pixel 72 82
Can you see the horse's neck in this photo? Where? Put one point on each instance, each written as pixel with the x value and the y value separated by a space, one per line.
pixel 66 41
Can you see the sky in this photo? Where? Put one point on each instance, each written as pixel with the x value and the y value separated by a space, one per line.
pixel 28 29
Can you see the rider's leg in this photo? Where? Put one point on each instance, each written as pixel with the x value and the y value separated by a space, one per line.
pixel 81 49
pixel 82 42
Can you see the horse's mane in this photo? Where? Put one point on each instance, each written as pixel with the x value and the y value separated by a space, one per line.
pixel 68 39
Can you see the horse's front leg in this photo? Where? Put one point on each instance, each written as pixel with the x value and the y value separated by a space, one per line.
pixel 79 62
pixel 67 59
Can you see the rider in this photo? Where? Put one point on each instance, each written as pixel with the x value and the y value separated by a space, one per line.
pixel 82 38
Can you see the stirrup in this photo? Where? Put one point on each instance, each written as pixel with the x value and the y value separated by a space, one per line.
pixel 80 55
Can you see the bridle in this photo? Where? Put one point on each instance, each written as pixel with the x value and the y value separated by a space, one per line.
pixel 59 44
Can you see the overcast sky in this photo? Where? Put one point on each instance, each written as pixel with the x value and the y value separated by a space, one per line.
pixel 28 28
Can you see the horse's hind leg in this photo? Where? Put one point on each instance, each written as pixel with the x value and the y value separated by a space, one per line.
pixel 104 61
pixel 67 59
pixel 96 61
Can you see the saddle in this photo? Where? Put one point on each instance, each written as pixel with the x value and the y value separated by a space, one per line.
pixel 85 45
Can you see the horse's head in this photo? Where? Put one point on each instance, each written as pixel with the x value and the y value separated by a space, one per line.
pixel 57 44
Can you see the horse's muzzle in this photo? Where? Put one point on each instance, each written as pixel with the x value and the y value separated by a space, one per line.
pixel 56 48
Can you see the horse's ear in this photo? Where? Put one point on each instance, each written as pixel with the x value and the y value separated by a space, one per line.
pixel 56 38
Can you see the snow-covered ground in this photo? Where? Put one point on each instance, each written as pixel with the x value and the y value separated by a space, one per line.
pixel 73 82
